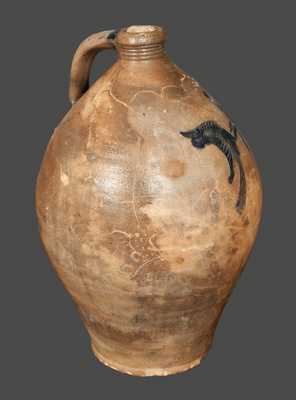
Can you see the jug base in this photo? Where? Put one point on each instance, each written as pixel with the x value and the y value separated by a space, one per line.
pixel 146 372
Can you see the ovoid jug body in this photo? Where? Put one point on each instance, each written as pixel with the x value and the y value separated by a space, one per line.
pixel 148 201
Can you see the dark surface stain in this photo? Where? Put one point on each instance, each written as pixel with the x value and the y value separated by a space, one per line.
pixel 233 251
pixel 246 221
pixel 112 333
pixel 206 94
pixel 209 132
pixel 112 35
pixel 173 168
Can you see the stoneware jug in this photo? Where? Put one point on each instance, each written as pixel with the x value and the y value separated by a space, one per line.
pixel 148 201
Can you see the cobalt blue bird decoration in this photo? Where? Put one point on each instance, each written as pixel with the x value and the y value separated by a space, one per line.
pixel 209 132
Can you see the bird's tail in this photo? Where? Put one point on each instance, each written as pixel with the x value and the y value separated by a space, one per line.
pixel 241 201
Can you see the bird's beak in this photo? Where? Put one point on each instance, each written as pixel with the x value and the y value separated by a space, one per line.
pixel 188 134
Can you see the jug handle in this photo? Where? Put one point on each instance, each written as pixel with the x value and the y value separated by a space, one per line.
pixel 83 59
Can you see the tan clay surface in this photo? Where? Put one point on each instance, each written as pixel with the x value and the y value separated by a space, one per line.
pixel 141 226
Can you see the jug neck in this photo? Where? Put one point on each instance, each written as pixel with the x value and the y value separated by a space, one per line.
pixel 143 42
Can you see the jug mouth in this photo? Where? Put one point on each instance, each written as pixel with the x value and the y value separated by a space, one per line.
pixel 139 35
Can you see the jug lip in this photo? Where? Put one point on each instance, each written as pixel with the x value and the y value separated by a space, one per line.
pixel 138 35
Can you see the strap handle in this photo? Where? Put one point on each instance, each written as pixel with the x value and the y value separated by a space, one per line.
pixel 83 59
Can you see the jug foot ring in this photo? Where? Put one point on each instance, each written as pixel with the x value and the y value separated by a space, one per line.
pixel 147 371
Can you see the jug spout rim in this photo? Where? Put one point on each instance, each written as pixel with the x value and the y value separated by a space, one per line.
pixel 139 35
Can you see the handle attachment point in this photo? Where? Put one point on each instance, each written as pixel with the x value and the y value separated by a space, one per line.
pixel 83 59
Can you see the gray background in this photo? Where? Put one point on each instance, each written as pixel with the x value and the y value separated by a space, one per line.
pixel 241 51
